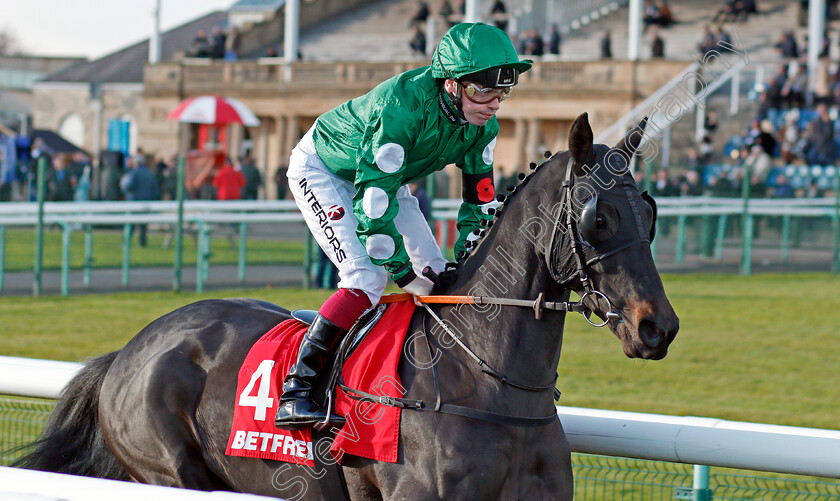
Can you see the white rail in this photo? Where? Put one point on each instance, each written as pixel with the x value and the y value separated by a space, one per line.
pixel 693 440
pixel 29 485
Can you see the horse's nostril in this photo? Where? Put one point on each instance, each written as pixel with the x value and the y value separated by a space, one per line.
pixel 651 334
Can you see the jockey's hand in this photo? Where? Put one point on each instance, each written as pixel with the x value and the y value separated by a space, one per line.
pixel 443 280
pixel 419 287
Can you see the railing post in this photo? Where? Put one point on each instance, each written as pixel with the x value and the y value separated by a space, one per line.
pixel 126 253
pixel 65 258
pixel 746 224
pixel 307 261
pixel 720 237
pixel 179 227
pixel 785 237
pixel 202 256
pixel 680 251
pixel 39 228
pixel 700 485
pixel 706 236
pixel 243 232
pixel 88 254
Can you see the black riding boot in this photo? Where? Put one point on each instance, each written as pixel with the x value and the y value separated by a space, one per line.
pixel 296 409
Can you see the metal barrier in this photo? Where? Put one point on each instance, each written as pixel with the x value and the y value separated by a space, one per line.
pixel 717 215
pixel 29 484
pixel 603 443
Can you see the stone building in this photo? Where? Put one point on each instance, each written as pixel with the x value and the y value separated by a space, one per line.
pixel 289 97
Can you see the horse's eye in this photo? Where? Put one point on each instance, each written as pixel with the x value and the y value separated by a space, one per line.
pixel 600 222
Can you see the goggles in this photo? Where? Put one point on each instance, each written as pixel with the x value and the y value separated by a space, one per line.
pixel 483 95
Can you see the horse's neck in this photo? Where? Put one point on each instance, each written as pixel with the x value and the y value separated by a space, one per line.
pixel 509 265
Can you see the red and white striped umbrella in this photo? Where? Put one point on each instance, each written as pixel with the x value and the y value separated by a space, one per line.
pixel 215 110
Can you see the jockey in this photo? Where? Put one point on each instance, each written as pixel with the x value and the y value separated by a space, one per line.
pixel 349 177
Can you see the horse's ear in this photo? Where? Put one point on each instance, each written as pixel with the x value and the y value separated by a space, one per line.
pixel 580 142
pixel 630 143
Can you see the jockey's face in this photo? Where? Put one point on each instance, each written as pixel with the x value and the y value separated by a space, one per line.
pixel 475 113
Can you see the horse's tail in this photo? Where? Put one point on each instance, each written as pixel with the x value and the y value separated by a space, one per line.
pixel 72 440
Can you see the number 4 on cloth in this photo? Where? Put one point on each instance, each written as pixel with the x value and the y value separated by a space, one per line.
pixel 261 401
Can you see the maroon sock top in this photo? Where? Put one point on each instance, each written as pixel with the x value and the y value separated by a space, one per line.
pixel 345 307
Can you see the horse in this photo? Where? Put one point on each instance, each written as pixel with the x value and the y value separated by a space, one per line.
pixel 158 410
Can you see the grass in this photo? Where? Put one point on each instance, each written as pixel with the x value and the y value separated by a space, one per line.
pixel 108 251
pixel 760 348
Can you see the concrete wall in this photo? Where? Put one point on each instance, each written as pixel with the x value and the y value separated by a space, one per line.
pixel 258 35
pixel 54 102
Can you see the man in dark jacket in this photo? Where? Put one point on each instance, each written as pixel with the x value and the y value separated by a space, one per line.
pixel 137 185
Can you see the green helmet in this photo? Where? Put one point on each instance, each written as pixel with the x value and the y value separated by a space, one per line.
pixel 481 52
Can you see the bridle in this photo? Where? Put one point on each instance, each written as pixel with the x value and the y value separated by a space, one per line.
pixel 588 213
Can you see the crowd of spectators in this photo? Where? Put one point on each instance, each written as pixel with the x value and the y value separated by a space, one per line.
pixel 220 44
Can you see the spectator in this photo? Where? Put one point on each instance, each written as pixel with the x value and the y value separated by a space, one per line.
pixel 419 18
pixel 217 43
pixel 606 45
pixel 708 41
pixel 759 164
pixel 499 14
pixel 419 193
pixel 822 82
pixel 793 92
pixel 169 180
pixel 522 45
pixel 722 39
pixel 326 274
pixel 82 191
pixel 782 188
pixel 790 135
pixel 690 185
pixel 139 184
pixel 787 46
pixel 200 45
pixel 710 123
pixel 766 137
pixel 535 45
pixel 233 44
pixel 554 40
pixel 447 14
pixel 280 181
pixel 663 185
pixel 657 50
pixel 60 183
pixel 418 41
pixel 228 183
pixel 253 179
pixel 774 97
pixel 724 186
pixel 655 14
pixel 735 10
pixel 821 149
pixel 665 13
pixel 705 149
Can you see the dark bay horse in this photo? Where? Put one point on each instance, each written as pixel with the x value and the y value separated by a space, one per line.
pixel 159 410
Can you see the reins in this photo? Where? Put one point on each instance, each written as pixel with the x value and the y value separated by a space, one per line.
pixel 538 305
